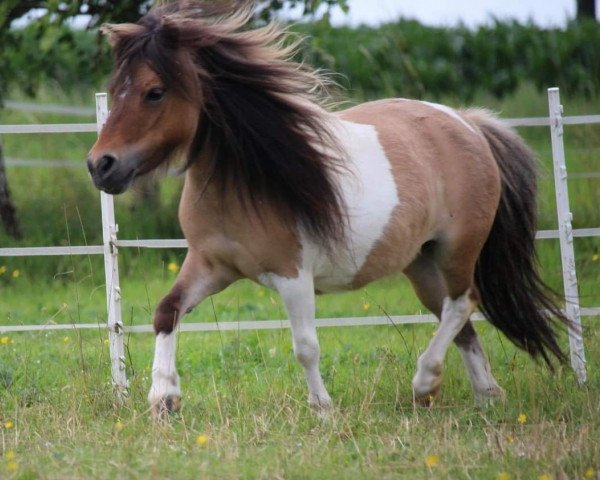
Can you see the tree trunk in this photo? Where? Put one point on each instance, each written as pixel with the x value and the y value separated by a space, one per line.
pixel 8 214
pixel 586 9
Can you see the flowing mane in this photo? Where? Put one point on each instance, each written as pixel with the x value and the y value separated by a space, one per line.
pixel 262 131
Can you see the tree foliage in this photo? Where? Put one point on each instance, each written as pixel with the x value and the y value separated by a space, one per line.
pixel 586 9
pixel 266 8
pixel 50 33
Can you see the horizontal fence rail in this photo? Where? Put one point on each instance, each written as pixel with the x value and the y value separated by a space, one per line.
pixel 259 324
pixel 43 163
pixel 547 121
pixel 51 251
pixel 182 243
pixel 50 128
pixel 91 127
pixel 90 112
pixel 50 108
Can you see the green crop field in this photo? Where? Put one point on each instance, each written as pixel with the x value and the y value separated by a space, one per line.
pixel 245 413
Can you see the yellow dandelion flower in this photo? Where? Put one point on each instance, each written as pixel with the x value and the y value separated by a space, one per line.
pixel 4 340
pixel 544 476
pixel 595 257
pixel 16 274
pixel 173 267
pixel 432 460
pixel 106 341
pixel 366 305
pixel 119 426
pixel 3 270
pixel 510 439
pixel 589 472
pixel 10 455
pixel 66 339
pixel 12 466
pixel 202 439
pixel 9 424
pixel 503 476
pixel 522 418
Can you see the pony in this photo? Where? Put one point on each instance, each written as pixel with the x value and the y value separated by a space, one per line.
pixel 282 190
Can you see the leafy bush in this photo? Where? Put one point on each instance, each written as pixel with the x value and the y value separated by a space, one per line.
pixel 406 58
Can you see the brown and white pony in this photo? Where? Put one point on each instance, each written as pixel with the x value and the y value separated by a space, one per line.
pixel 304 201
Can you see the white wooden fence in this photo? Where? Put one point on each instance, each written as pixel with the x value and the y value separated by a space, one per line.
pixel 111 244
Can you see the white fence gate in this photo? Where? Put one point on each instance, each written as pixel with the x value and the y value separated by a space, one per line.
pixel 111 244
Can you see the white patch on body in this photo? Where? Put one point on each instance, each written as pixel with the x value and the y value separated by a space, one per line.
pixel 451 112
pixel 370 196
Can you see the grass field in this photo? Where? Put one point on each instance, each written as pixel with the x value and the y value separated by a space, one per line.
pixel 244 413
pixel 245 416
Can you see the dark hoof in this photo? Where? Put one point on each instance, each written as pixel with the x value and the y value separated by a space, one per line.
pixel 166 406
pixel 427 399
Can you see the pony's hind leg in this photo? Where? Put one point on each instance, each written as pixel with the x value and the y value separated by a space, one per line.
pixel 194 283
pixel 299 298
pixel 430 286
pixel 485 386
pixel 428 378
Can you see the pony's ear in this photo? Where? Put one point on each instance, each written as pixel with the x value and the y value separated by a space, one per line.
pixel 115 32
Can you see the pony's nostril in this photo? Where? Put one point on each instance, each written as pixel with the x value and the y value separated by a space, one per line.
pixel 105 164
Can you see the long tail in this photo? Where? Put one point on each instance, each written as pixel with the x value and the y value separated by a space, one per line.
pixel 513 296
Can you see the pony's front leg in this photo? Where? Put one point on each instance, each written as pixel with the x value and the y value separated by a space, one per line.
pixel 298 295
pixel 194 283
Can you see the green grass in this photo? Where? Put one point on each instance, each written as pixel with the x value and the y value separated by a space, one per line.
pixel 244 390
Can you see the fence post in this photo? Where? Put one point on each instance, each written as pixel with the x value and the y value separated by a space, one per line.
pixel 111 272
pixel 565 230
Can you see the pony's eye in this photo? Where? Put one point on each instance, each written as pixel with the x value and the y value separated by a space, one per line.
pixel 155 95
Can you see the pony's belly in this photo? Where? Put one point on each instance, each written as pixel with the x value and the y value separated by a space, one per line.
pixel 334 279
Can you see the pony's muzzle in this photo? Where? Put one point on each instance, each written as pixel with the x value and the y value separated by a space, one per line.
pixel 110 175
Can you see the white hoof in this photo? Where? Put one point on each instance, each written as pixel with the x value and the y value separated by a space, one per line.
pixel 320 405
pixel 427 381
pixel 489 396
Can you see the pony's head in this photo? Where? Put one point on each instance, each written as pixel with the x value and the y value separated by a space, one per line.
pixel 156 101
pixel 191 79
